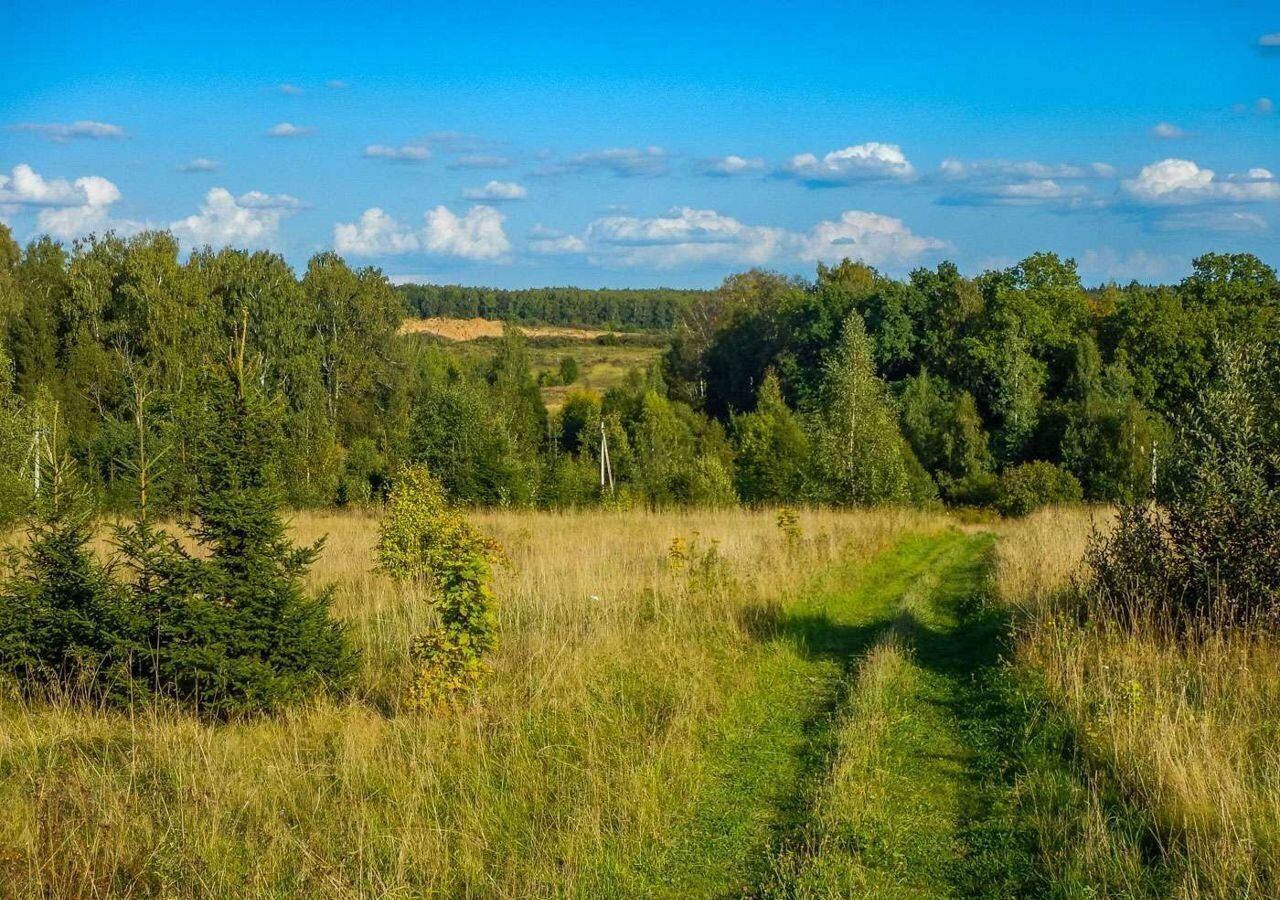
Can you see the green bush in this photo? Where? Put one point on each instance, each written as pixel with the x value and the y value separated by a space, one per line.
pixel 1029 486
pixel 1211 551
pixel 421 538
pixel 568 370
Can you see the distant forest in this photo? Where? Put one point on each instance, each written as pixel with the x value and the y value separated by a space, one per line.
pixel 1008 389
pixel 642 309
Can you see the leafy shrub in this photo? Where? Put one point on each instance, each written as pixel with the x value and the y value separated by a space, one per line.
pixel 1213 547
pixel 421 538
pixel 1029 486
pixel 568 370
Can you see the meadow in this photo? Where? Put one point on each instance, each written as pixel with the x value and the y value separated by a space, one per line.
pixel 703 703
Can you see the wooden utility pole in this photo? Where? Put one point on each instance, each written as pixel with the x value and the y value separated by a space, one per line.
pixel 606 469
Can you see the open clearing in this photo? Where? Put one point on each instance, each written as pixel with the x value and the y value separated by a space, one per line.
pixel 474 329
pixel 741 713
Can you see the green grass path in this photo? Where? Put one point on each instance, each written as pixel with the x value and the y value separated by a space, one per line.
pixel 864 753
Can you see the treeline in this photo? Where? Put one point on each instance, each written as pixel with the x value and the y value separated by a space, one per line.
pixel 112 340
pixel 1006 387
pixel 655 309
pixel 1009 389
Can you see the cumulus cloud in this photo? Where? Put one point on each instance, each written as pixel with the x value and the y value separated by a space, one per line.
pixel 866 236
pixel 1168 131
pixel 67 209
pixel 406 153
pixel 684 236
pixel 289 89
pixel 862 162
pixel 60 132
pixel 374 234
pixel 1181 181
pixel 477 235
pixel 732 165
pixel 336 84
pixel 687 236
pixel 288 130
pixel 252 219
pixel 1264 106
pixel 498 191
pixel 625 162
pixel 1269 43
pixel 199 164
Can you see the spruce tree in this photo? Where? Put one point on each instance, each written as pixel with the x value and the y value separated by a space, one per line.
pixel 244 635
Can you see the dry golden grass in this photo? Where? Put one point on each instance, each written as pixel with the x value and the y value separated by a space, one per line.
pixel 474 329
pixel 610 667
pixel 1189 728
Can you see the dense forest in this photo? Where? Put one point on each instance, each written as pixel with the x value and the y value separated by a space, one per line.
pixel 1008 389
pixel 655 309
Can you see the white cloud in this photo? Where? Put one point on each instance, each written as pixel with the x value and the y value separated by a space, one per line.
pixel 375 234
pixel 477 235
pixel 59 132
pixel 732 165
pixel 26 186
pixel 407 153
pixel 687 236
pixel 1020 183
pixel 336 84
pixel 625 162
pixel 1181 181
pixel 252 219
pixel 1264 106
pixel 869 237
pixel 861 162
pixel 684 236
pixel 289 89
pixel 67 209
pixel 199 164
pixel 1023 193
pixel 288 130
pixel 1168 131
pixel 1013 170
pixel 1270 40
pixel 498 191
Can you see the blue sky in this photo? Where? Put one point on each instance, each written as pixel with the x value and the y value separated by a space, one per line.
pixel 607 144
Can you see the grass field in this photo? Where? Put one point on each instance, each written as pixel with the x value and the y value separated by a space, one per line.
pixel 892 706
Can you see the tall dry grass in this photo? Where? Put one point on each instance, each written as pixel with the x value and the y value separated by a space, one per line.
pixel 1189 728
pixel 610 668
